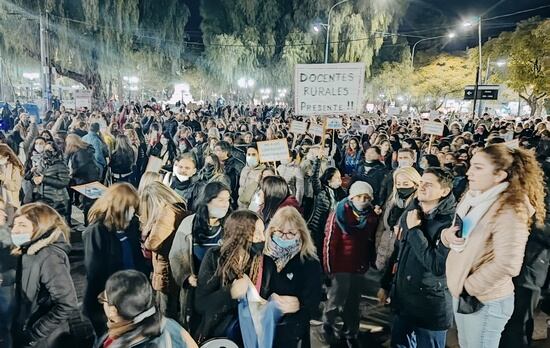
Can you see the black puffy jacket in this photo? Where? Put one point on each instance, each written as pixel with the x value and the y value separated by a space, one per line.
pixel 84 168
pixel 376 176
pixel 53 189
pixel 419 290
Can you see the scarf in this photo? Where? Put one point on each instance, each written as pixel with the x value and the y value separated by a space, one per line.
pixel 349 219
pixel 281 256
pixel 475 204
pixel 128 327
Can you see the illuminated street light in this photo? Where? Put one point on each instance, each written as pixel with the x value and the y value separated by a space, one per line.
pixel 451 35
pixel 250 83
pixel 31 76
pixel 501 63
pixel 316 28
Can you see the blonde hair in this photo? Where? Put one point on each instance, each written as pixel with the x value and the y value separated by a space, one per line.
pixel 147 179
pixel 44 219
pixel 6 151
pixel 154 198
pixel 73 143
pixel 290 216
pixel 410 174
pixel 112 207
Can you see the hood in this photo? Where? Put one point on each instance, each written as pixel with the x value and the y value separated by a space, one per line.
pixel 291 201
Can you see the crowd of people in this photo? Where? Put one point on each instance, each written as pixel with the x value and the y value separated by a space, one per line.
pixel 192 220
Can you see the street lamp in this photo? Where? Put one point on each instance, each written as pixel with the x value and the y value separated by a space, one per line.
pixel 467 24
pixel 501 63
pixel 317 27
pixel 450 35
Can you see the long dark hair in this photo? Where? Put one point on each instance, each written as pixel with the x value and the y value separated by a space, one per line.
pixel 275 190
pixel 210 191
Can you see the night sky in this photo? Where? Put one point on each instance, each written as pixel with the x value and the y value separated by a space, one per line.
pixel 436 17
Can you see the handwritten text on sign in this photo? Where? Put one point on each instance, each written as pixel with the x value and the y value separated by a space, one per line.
pixel 329 89
pixel 298 127
pixel 334 123
pixel 432 128
pixel 315 129
pixel 273 150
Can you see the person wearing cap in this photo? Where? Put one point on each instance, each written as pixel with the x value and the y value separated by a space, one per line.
pixel 132 317
pixel 346 260
pixel 415 277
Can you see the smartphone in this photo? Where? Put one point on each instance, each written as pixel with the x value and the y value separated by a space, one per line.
pixel 457 221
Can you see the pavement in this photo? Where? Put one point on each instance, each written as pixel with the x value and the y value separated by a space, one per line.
pixel 375 323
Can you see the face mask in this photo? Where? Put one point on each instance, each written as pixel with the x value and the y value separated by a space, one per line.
pixel 405 192
pixel 251 161
pixel 164 141
pixel 449 165
pixel 21 239
pixel 3 161
pixel 181 177
pixel 182 147
pixel 361 206
pixel 130 214
pixel 284 243
pixel 217 213
pixel 335 184
pixel 256 248
pixel 39 148
pixel 404 163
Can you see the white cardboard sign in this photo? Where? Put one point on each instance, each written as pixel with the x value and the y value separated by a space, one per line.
pixel 273 150
pixel 82 99
pixel 315 130
pixel 298 127
pixel 432 128
pixel 329 89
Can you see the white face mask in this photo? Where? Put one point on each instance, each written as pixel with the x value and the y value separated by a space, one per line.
pixel 21 238
pixel 3 161
pixel 164 141
pixel 181 177
pixel 216 212
pixel 252 161
pixel 405 163
pixel 39 148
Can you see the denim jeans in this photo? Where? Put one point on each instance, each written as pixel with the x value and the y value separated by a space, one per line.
pixel 405 335
pixel 6 311
pixel 483 328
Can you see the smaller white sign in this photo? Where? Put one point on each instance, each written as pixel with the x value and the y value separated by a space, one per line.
pixel 334 123
pixel 432 128
pixel 356 125
pixel 393 111
pixel 82 99
pixel 315 129
pixel 364 128
pixel 298 127
pixel 273 150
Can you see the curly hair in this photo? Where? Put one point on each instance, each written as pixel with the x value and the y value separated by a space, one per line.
pixel 525 177
pixel 235 259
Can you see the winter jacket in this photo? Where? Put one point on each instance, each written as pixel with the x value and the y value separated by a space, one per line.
pixel 492 257
pixel 11 179
pixel 83 166
pixel 102 258
pixel 233 168
pixel 347 252
pixel 189 190
pixel 376 175
pixel 248 184
pixel 350 162
pixel 170 126
pixel 159 240
pixel 322 206
pixel 100 148
pixel 53 189
pixel 416 272
pixel 122 163
pixel 294 176
pixel 172 335
pixel 301 279
pixel 45 294
pixel 8 262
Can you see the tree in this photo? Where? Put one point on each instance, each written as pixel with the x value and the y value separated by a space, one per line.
pixel 527 52
pixel 94 41
pixel 391 77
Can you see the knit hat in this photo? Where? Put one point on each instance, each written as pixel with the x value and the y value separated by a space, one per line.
pixel 360 188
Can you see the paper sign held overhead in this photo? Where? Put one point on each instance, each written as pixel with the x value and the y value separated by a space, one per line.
pixel 334 123
pixel 432 128
pixel 329 89
pixel 315 129
pixel 82 99
pixel 154 164
pixel 298 127
pixel 273 150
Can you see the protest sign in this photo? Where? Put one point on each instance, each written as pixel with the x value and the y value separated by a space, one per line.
pixel 82 99
pixel 92 190
pixel 432 128
pixel 329 89
pixel 298 127
pixel 393 111
pixel 273 150
pixel 356 125
pixel 334 123
pixel 316 130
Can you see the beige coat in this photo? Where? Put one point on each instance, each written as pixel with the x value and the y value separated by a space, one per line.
pixel 10 182
pixel 492 257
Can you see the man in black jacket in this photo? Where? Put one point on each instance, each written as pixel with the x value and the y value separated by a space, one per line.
pixel 416 273
pixel 232 167
pixel 373 172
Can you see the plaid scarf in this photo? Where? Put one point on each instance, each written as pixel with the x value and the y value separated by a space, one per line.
pixel 281 256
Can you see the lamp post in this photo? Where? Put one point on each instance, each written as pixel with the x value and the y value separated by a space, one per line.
pixel 478 70
pixel 317 28
pixel 450 36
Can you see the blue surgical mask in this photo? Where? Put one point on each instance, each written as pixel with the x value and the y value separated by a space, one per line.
pixel 284 243
pixel 21 238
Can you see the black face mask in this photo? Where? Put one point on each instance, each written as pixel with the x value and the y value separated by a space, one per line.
pixel 256 249
pixel 449 165
pixel 405 192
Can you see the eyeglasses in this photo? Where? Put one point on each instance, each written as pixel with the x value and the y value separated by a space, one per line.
pixel 285 234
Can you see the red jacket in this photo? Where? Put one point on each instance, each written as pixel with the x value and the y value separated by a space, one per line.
pixel 347 252
pixel 291 201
